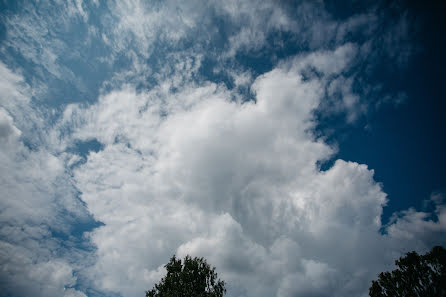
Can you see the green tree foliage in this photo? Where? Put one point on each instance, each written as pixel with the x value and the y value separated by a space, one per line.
pixel 416 276
pixel 192 277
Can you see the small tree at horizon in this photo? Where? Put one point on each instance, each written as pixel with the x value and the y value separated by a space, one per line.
pixel 191 277
pixel 416 276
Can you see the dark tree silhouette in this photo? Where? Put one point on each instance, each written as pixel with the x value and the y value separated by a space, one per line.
pixel 416 276
pixel 191 278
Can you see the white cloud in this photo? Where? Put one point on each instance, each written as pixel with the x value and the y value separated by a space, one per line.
pixel 36 190
pixel 417 227
pixel 191 171
pixel 7 128
pixel 29 35
pixel 24 273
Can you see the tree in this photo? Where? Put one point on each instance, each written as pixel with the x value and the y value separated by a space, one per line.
pixel 416 276
pixel 191 278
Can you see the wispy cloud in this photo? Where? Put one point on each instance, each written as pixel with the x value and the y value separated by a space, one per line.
pixel 38 201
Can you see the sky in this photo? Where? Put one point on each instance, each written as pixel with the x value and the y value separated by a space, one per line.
pixel 298 146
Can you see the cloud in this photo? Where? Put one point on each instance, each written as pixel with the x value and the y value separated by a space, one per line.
pixel 22 277
pixel 32 37
pixel 37 201
pixel 422 228
pixel 191 171
pixel 7 128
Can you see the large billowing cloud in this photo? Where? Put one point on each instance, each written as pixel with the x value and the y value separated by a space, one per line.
pixel 186 164
pixel 192 171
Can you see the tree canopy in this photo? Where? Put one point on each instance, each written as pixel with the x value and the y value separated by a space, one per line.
pixel 416 276
pixel 192 277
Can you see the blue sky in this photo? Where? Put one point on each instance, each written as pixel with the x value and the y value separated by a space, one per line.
pixel 298 146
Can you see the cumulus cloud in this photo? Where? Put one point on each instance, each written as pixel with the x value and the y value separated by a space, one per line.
pixel 421 228
pixel 191 171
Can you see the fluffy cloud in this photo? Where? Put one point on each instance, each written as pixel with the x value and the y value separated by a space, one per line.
pixel 191 171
